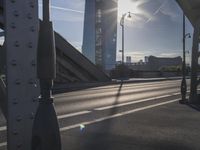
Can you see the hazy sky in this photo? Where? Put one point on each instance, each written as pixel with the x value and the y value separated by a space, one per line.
pixel 156 29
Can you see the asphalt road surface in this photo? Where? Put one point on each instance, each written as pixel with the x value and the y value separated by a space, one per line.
pixel 129 116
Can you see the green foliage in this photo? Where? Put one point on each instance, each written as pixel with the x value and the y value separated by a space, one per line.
pixel 171 68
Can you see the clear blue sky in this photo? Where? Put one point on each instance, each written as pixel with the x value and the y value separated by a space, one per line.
pixel 156 29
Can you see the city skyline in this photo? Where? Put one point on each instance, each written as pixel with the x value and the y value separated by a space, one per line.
pixel 156 30
pixel 100 33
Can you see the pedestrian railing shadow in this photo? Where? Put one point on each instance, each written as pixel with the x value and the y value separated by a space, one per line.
pixel 194 106
pixel 99 139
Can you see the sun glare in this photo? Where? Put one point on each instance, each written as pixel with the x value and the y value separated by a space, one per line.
pixel 127 5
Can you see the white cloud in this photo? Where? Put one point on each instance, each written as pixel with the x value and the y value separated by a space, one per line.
pixel 65 14
pixel 169 54
pixel 139 15
pixel 170 10
pixel 157 11
pixel 67 9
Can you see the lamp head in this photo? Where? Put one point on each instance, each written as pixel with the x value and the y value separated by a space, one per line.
pixel 129 14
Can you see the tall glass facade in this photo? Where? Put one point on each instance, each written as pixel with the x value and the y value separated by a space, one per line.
pixel 100 32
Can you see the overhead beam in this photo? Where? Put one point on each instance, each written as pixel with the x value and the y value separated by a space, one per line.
pixel 191 9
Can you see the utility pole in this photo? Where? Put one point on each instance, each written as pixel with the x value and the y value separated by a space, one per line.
pixel 122 25
pixel 183 83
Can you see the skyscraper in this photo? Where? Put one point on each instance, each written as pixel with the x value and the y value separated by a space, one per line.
pixel 100 32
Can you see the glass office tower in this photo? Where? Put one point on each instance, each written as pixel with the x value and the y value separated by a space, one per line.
pixel 100 32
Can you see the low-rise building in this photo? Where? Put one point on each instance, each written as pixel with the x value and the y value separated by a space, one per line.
pixel 156 63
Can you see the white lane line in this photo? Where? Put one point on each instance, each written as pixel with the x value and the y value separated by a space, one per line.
pixel 109 117
pixel 133 102
pixel 2 128
pixel 116 115
pixel 73 114
pixel 3 144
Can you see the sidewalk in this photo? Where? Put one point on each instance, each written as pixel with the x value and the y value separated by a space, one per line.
pixel 168 127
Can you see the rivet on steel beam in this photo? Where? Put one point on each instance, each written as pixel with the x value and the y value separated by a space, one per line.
pixel 30 45
pixel 35 99
pixel 17 81
pixel 15 13
pixel 32 5
pixel 33 63
pixel 13 62
pixel 16 43
pixel 19 118
pixel 19 145
pixel 15 101
pixel 35 85
pixel 32 29
pixel 31 81
pixel 29 16
pixel 13 1
pixel 32 115
pixel 13 25
pixel 15 132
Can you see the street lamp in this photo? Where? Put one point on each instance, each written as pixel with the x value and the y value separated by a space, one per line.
pixel 183 83
pixel 128 14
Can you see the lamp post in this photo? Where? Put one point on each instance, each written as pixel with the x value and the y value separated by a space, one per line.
pixel 122 25
pixel 183 83
pixel 46 134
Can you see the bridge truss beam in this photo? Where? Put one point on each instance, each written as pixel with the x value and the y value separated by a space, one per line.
pixel 195 64
pixel 21 34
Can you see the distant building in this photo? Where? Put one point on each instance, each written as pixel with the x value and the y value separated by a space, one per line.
pixel 156 63
pixel 128 59
pixel 100 32
pixel 146 59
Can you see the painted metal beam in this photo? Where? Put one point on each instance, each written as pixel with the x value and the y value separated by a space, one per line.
pixel 3 104
pixel 21 36
pixel 195 65
pixel 191 9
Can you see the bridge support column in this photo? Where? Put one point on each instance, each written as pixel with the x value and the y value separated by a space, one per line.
pixel 21 34
pixel 195 65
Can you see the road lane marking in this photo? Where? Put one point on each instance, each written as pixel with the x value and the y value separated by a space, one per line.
pixel 106 118
pixel 117 115
pixel 133 102
pixel 3 144
pixel 2 128
pixel 73 114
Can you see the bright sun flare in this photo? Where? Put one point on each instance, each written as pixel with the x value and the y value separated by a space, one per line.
pixel 126 6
